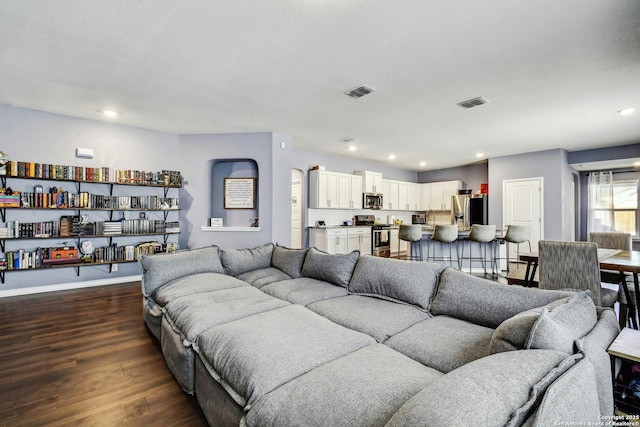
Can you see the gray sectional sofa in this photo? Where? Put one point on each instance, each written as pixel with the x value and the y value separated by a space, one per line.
pixel 272 336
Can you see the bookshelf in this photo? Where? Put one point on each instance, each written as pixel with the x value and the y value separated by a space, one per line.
pixel 61 200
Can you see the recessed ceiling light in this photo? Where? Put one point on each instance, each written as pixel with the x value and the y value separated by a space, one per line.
pixel 352 148
pixel 423 163
pixel 627 111
pixel 479 155
pixel 391 156
pixel 636 164
pixel 110 113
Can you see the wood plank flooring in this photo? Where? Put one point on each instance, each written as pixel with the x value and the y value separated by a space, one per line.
pixel 85 357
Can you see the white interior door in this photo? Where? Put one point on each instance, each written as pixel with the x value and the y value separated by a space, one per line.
pixel 522 205
pixel 296 213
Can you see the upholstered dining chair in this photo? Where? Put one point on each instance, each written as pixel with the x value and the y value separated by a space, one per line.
pixel 623 242
pixel 573 266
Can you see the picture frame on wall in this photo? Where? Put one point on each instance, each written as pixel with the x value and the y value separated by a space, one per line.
pixel 239 193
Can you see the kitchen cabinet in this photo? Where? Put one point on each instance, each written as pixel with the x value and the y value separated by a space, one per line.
pixel 359 238
pixel 323 189
pixel 397 244
pixel 334 190
pixel 441 193
pixel 390 193
pixel 409 196
pixel 331 240
pixel 349 191
pixel 371 181
pixel 425 204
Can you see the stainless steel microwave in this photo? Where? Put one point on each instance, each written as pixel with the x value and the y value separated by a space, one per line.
pixel 372 200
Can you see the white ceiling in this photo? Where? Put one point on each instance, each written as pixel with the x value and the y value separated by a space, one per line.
pixel 555 71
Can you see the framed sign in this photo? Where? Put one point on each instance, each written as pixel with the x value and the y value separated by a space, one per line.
pixel 239 193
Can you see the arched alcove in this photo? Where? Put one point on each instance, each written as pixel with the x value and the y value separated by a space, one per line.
pixel 233 168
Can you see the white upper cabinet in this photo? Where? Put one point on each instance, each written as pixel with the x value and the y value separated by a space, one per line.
pixel 334 190
pixel 390 194
pixel 372 181
pixel 426 197
pixel 323 189
pixel 441 193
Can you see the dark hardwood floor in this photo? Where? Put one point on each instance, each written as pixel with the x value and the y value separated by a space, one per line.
pixel 85 357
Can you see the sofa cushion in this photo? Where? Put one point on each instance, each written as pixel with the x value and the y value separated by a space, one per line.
pixel 561 324
pixel 254 355
pixel 193 314
pixel 238 261
pixel 332 268
pixel 196 284
pixel 159 269
pixel 484 302
pixel 363 388
pixel 289 260
pixel 575 313
pixel 396 280
pixel 499 390
pixel 372 316
pixel 443 343
pixel 303 290
pixel 263 276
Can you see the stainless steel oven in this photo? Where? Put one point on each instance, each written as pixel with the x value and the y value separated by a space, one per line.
pixel 381 240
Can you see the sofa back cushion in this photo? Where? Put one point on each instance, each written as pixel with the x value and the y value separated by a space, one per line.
pixel 288 260
pixel 555 326
pixel 238 261
pixel 160 269
pixel 484 302
pixel 332 268
pixel 406 282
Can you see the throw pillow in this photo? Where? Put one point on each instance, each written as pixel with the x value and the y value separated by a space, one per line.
pixel 288 260
pixel 559 326
pixel 332 268
pixel 238 261
pixel 396 280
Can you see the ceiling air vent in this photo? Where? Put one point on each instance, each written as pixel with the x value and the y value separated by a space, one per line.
pixel 360 91
pixel 470 103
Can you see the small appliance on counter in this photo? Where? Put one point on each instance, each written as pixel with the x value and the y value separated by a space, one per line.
pixel 372 200
pixel 419 219
pixel 365 219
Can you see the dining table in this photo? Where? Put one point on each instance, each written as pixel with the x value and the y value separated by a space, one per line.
pixel 610 259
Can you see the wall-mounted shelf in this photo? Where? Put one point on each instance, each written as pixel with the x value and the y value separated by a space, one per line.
pixel 83 201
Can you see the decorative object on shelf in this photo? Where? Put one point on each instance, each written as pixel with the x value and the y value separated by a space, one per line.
pixel 216 222
pixel 87 250
pixel 4 159
pixel 254 222
pixel 239 193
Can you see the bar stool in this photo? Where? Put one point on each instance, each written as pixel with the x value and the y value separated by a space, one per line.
pixel 411 234
pixel 445 234
pixel 517 234
pixel 485 236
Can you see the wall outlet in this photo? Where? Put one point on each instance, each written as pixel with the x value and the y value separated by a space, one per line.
pixel 114 267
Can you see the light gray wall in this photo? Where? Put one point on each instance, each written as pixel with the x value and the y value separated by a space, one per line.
pixel 199 152
pixel 471 175
pixel 36 136
pixel 552 166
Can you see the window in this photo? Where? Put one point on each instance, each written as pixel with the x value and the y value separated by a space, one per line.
pixel 614 206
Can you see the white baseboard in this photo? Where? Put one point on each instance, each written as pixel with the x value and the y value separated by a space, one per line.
pixel 67 286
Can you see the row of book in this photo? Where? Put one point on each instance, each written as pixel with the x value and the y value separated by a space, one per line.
pixel 86 200
pixel 70 226
pixel 102 174
pixel 42 257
